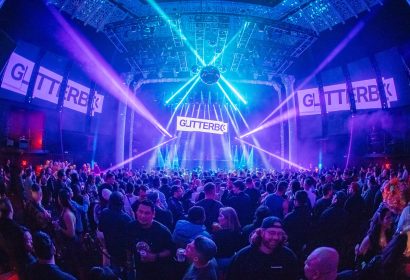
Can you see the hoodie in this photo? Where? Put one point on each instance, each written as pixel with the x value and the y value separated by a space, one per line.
pixel 186 231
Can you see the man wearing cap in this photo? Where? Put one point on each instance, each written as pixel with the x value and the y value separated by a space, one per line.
pixel 267 257
pixel 201 252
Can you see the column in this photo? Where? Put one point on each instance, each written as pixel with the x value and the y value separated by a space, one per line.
pixel 289 83
pixel 121 117
pixel 278 89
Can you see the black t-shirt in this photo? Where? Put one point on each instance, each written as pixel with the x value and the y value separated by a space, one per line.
pixel 211 207
pixel 158 238
pixel 47 271
pixel 228 242
pixel 114 224
pixel 250 263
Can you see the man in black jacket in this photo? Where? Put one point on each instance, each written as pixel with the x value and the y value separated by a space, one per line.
pixel 297 223
pixel 241 202
pixel 267 257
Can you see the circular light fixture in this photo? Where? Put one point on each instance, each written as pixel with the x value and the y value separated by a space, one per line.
pixel 210 75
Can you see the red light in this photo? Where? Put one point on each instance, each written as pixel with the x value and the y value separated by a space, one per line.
pixel 24 162
pixel 388 165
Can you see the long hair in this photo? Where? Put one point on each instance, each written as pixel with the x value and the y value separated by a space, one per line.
pixel 376 227
pixel 65 200
pixel 230 215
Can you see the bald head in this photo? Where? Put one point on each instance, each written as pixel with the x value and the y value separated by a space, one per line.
pixel 322 264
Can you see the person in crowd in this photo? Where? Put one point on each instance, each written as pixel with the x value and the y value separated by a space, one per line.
pixel 393 263
pixel 253 193
pixel 266 257
pixel 201 252
pixel 276 202
pixel 175 204
pixel 324 202
pixel 58 184
pixel 156 184
pixel 129 199
pixel 81 202
pixel 241 202
pixel 101 273
pixel 15 242
pixel 162 215
pixel 150 244
pixel 294 186
pixel 91 187
pixel 269 189
pixel 45 267
pixel 35 216
pixel 333 222
pixel 261 213
pixel 165 188
pixel 297 224
pixel 227 236
pixel 309 187
pixel 142 195
pixel 210 205
pixel 113 224
pixel 102 203
pixel 186 230
pixel 27 183
pixel 322 264
pixel 67 229
pixel 378 236
pixel 356 210
pixel 369 196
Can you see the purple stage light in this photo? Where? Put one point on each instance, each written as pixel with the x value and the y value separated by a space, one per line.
pixel 271 154
pixel 281 118
pixel 349 149
pixel 99 70
pixel 138 155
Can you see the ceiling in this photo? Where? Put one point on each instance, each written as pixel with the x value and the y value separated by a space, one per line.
pixel 250 39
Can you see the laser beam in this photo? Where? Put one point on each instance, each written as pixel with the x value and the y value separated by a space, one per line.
pixel 100 70
pixel 237 94
pixel 188 91
pixel 181 89
pixel 226 95
pixel 138 155
pixel 272 122
pixel 271 154
pixel 177 30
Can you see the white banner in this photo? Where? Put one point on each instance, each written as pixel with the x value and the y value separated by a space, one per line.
pixel 76 97
pixel 97 103
pixel 201 125
pixel 17 74
pixel 365 92
pixel 47 85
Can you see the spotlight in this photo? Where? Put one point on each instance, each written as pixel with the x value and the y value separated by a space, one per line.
pixel 212 43
pixel 210 75
pixel 223 69
pixel 195 69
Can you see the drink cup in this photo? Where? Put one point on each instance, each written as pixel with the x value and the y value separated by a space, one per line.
pixel 181 255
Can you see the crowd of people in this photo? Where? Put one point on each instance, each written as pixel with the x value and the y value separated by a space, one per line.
pixel 60 221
